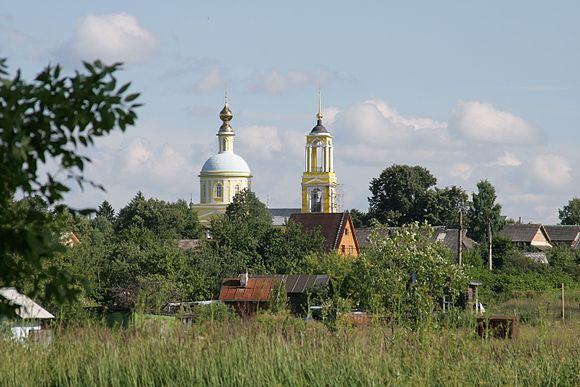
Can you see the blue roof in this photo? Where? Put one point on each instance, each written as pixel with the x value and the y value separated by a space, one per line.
pixel 225 162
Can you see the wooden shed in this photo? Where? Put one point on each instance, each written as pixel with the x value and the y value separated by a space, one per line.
pixel 32 318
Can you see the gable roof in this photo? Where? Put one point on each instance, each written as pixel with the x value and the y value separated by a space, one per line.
pixel 523 232
pixel 561 233
pixel 27 308
pixel 331 225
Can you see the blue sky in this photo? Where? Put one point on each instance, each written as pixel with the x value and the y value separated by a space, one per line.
pixel 470 91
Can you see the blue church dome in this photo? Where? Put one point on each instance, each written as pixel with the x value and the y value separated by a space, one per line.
pixel 225 162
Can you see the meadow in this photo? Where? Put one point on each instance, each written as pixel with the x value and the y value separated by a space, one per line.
pixel 285 351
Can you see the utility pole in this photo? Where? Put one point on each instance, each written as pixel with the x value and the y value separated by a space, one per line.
pixel 460 238
pixel 490 252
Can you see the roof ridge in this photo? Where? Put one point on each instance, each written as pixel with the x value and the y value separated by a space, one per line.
pixel 339 231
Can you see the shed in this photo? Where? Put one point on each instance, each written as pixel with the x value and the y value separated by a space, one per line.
pixel 32 317
pixel 258 290
pixel 299 287
pixel 247 296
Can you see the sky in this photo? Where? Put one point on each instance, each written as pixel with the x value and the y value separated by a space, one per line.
pixel 470 91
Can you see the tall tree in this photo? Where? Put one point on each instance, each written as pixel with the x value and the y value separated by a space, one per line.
pixel 484 212
pixel 401 195
pixel 107 211
pixel 570 214
pixel 445 206
pixel 49 120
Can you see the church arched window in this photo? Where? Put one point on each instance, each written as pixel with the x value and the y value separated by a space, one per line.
pixel 219 190
pixel 316 200
pixel 319 154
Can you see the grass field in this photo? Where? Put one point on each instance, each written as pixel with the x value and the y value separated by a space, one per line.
pixel 285 351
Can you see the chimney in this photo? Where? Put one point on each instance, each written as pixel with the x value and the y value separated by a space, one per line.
pixel 244 279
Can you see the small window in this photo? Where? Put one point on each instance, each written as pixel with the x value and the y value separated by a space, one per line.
pixel 343 249
pixel 350 250
pixel 346 231
pixel 219 191
pixel 237 189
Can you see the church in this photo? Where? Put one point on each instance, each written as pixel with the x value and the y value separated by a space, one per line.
pixel 223 175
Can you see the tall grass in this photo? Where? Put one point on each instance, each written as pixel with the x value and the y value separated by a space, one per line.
pixel 286 351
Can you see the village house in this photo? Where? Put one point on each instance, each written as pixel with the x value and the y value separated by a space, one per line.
pixel 527 235
pixel 564 235
pixel 336 228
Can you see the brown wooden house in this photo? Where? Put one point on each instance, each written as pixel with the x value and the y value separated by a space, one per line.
pixel 564 235
pixel 523 235
pixel 336 228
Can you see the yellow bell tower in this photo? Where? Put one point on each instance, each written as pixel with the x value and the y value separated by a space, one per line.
pixel 319 180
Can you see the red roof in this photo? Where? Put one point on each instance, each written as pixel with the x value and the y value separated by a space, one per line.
pixel 256 289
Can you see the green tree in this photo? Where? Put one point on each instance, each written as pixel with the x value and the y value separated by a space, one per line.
pixel 359 219
pixel 484 212
pixel 106 211
pixel 445 206
pixel 405 275
pixel 48 121
pixel 570 214
pixel 401 195
pixel 167 220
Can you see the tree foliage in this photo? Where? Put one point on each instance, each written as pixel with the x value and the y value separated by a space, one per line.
pixel 446 204
pixel 484 212
pixel 570 214
pixel 107 211
pixel 406 274
pixel 401 195
pixel 48 121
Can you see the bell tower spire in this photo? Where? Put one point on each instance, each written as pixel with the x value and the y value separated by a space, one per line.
pixel 319 180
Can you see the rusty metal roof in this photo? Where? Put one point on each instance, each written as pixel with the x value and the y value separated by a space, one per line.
pixel 298 283
pixel 256 289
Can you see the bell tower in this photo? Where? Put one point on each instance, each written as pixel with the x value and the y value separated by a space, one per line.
pixel 319 180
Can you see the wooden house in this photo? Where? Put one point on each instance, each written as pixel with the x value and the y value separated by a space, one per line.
pixel 336 228
pixel 527 235
pixel 564 235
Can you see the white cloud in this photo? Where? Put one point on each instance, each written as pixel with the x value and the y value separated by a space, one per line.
pixel 461 170
pixel 483 122
pixel 376 123
pixel 260 141
pixel 112 38
pixel 507 160
pixel 552 170
pixel 277 82
pixel 212 80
